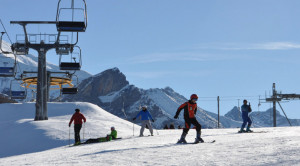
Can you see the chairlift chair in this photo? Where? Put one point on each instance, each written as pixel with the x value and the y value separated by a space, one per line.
pixel 6 71
pixel 69 91
pixel 17 93
pixel 20 49
pixel 70 25
pixel 73 65
pixel 72 90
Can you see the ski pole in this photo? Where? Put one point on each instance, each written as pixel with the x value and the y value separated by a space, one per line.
pixel 83 131
pixel 157 131
pixel 132 129
pixel 69 134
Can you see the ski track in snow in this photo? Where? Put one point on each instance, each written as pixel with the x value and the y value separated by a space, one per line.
pixel 276 146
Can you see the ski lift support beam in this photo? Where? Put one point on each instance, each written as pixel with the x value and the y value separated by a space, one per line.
pixel 276 98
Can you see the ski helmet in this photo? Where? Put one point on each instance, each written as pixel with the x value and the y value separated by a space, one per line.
pixel 194 96
pixel 77 110
pixel 112 128
pixel 144 106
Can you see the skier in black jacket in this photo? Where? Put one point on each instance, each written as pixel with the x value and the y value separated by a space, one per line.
pixel 190 109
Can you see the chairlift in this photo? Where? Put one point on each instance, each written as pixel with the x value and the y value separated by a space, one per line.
pixel 73 64
pixel 69 23
pixel 17 91
pixel 62 50
pixel 72 90
pixel 20 49
pixel 7 69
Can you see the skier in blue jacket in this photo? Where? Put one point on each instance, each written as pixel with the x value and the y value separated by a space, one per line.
pixel 245 111
pixel 146 117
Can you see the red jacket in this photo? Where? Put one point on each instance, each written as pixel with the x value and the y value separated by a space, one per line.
pixel 77 117
pixel 190 109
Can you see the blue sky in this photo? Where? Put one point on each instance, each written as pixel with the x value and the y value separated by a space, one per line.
pixel 228 48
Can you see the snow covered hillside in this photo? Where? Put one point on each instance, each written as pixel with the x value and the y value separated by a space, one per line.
pixel 20 134
pixel 27 142
pixel 29 63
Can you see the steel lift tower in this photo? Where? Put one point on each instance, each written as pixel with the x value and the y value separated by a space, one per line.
pixel 276 98
pixel 21 48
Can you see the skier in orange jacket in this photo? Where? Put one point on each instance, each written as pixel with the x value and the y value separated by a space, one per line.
pixel 190 109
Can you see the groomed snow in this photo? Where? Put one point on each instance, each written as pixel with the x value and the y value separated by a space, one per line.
pixel 274 146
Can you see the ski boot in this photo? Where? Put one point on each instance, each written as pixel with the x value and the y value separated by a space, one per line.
pixel 182 139
pixel 248 130
pixel 198 140
pixel 242 130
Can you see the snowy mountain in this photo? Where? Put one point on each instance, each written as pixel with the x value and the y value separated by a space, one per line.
pixel 27 142
pixel 265 118
pixel 262 118
pixel 111 91
pixel 28 63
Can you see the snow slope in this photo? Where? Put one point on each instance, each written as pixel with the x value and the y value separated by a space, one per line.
pixel 20 134
pixel 46 142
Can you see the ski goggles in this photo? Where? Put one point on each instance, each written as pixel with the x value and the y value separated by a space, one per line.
pixel 194 99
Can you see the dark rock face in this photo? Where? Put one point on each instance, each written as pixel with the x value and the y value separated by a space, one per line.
pixel 110 90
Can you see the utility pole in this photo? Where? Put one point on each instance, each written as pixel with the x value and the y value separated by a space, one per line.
pixel 218 99
pixel 274 99
pixel 274 96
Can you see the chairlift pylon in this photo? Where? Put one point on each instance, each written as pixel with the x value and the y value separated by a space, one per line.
pixel 71 24
pixel 73 64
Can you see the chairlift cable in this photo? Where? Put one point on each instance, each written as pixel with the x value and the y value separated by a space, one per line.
pixel 5 31
pixel 72 6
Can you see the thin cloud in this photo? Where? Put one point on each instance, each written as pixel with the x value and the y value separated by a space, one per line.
pixel 164 74
pixel 250 46
pixel 162 57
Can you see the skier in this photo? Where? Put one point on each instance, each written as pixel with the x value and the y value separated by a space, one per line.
pixel 77 117
pixel 245 111
pixel 109 137
pixel 113 133
pixel 190 109
pixel 146 117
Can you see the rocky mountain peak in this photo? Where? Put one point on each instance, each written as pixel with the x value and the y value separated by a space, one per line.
pixel 104 83
pixel 234 114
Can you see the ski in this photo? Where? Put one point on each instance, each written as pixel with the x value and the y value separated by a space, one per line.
pixel 252 132
pixel 213 141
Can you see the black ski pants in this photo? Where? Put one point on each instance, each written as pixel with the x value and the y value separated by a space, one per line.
pixel 188 122
pixel 77 128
